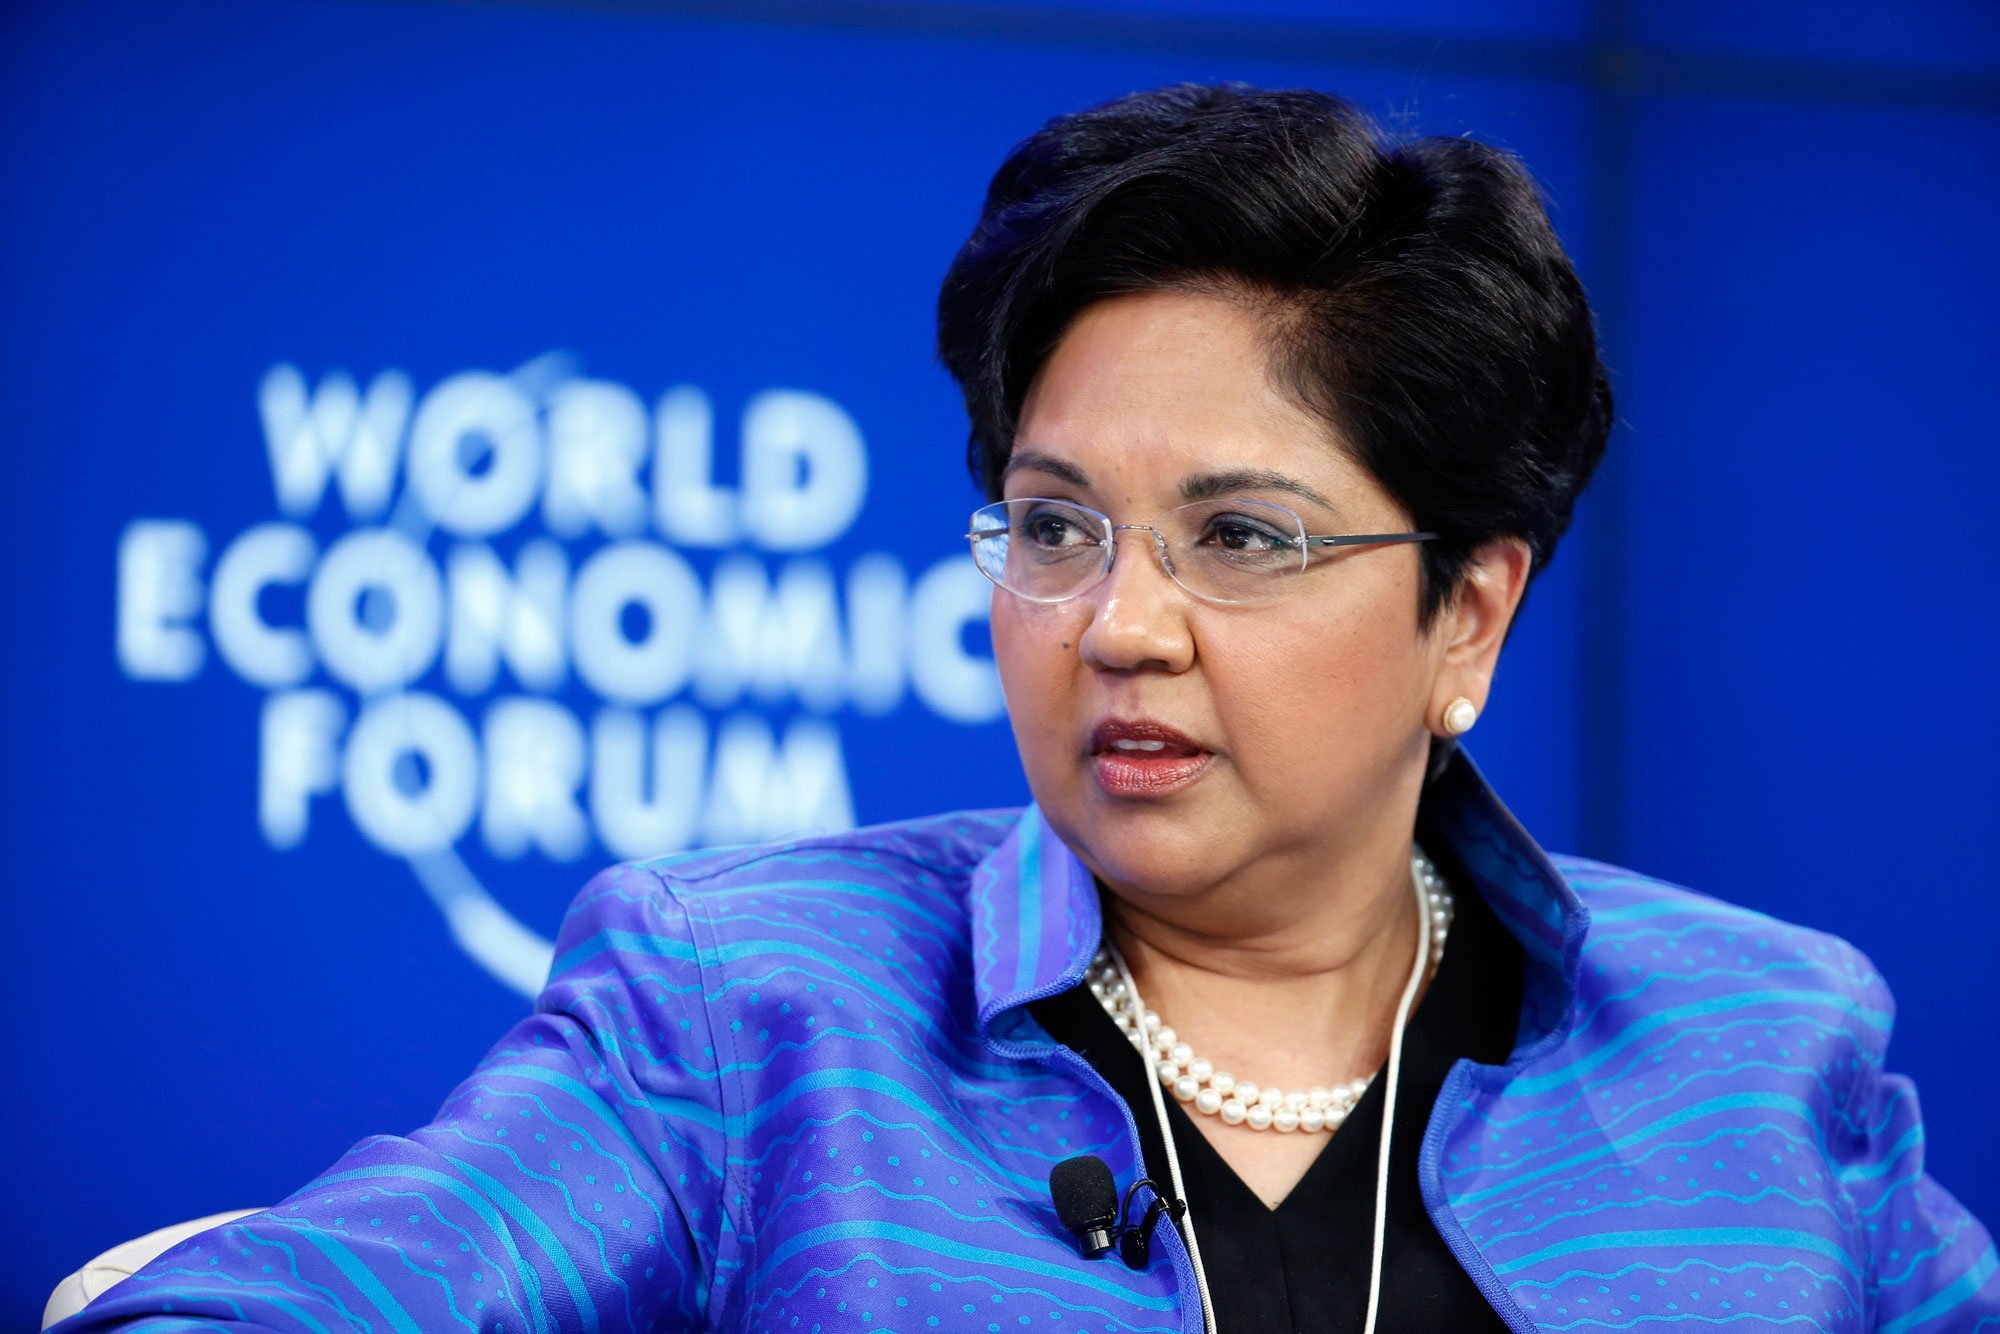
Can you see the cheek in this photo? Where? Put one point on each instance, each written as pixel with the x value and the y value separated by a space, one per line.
pixel 1302 691
pixel 1034 647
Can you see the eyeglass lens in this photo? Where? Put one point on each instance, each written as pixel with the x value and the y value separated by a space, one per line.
pixel 1226 549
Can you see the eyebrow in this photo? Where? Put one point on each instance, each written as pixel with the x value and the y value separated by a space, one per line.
pixel 1200 486
pixel 1024 459
pixel 1207 485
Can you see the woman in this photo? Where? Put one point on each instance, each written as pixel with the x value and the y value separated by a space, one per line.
pixel 1278 422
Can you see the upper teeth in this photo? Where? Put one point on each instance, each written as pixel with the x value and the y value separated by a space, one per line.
pixel 1127 744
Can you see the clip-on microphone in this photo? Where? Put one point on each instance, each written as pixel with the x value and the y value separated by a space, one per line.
pixel 1086 1200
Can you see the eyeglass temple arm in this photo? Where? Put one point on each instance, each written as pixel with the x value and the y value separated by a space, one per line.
pixel 1360 539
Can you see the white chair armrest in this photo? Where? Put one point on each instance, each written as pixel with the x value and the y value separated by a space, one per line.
pixel 121 1262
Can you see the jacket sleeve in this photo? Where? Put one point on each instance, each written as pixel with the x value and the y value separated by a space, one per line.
pixel 1931 1266
pixel 572 1182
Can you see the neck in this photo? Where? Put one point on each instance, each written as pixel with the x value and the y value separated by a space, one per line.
pixel 1305 996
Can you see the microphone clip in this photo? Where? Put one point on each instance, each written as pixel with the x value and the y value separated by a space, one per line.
pixel 1135 1240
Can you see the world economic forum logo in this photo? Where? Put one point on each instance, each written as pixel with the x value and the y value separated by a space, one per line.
pixel 541 621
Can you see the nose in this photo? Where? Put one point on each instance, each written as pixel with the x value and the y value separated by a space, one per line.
pixel 1138 613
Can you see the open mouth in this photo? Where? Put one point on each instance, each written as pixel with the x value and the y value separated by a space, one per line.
pixel 1144 759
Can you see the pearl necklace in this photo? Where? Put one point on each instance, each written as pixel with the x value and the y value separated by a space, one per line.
pixel 1197 1082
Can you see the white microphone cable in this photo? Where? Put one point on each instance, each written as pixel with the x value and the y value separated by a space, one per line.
pixel 1186 1223
pixel 1389 1092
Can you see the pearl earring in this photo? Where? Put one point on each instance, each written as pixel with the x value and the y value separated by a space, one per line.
pixel 1459 716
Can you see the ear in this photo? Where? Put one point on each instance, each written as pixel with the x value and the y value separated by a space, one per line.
pixel 1472 629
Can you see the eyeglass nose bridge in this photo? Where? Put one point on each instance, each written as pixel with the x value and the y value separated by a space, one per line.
pixel 1160 547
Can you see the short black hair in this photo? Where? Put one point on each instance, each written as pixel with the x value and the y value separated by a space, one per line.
pixel 1417 298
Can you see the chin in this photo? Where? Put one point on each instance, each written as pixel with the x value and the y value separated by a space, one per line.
pixel 1149 847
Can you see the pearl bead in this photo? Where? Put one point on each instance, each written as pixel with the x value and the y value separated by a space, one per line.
pixel 1180 1054
pixel 1168 1071
pixel 1233 1112
pixel 1248 1091
pixel 1208 1100
pixel 1201 1068
pixel 1151 1020
pixel 1222 1082
pixel 1258 1117
pixel 1296 1100
pixel 1166 1036
pixel 1272 1098
pixel 1312 1118
pixel 1318 1096
pixel 1285 1119
pixel 1186 1087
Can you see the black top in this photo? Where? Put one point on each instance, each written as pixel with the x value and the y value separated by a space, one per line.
pixel 1303 1266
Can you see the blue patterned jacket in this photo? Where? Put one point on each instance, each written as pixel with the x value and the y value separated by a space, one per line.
pixel 797 1087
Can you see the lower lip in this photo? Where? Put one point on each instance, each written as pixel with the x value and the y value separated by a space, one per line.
pixel 1127 775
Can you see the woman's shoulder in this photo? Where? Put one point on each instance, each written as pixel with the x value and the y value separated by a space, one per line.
pixel 857 897
pixel 1673 939
pixel 945 846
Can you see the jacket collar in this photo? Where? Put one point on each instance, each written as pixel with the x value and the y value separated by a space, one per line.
pixel 1036 918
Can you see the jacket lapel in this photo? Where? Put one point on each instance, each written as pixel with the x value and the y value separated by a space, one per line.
pixel 1035 919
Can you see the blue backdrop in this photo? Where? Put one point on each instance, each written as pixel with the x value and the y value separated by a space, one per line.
pixel 451 446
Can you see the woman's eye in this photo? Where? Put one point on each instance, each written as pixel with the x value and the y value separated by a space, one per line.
pixel 1054 530
pixel 1241 535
